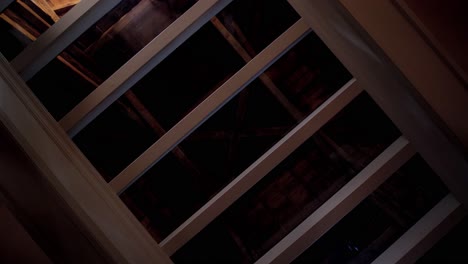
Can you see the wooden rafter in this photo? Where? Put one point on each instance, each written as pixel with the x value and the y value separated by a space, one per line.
pixel 47 8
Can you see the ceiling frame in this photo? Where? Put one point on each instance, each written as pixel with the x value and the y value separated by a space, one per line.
pixel 209 106
pixel 104 216
pixel 261 167
pixel 140 64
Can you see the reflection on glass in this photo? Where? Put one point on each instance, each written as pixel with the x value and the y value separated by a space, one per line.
pixel 296 187
pixel 380 219
pixel 233 138
pixel 24 21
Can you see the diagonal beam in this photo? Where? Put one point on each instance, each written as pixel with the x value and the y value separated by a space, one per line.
pixel 393 92
pixel 94 80
pixel 340 204
pixel 59 36
pixel 138 66
pixel 45 6
pixel 264 78
pixel 260 168
pixel 425 233
pixel 209 106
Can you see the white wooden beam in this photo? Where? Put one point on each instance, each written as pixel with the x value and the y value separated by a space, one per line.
pixel 425 233
pixel 60 35
pixel 4 4
pixel 260 168
pixel 140 64
pixel 389 89
pixel 209 106
pixel 100 213
pixel 340 204
pixel 427 71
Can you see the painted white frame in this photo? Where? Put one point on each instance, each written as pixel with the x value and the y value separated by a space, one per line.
pixel 209 106
pixel 140 64
pixel 415 242
pixel 261 167
pixel 98 210
pixel 417 59
pixel 381 70
pixel 49 44
pixel 389 89
pixel 340 204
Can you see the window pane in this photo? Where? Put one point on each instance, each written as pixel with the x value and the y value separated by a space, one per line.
pixel 234 138
pixel 296 187
pixel 380 219
pixel 164 96
pixel 103 49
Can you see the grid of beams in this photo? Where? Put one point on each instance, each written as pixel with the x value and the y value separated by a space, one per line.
pixel 204 110
pixel 260 168
pixel 359 58
pixel 340 204
pixel 138 66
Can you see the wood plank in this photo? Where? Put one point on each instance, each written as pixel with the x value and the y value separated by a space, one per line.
pixel 45 6
pixel 389 89
pixel 209 106
pixel 95 206
pixel 143 62
pixel 340 204
pixel 260 168
pixel 60 35
pixel 425 233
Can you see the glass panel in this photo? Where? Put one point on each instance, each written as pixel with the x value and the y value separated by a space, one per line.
pixel 104 48
pixel 112 41
pixel 23 21
pixel 235 137
pixel 451 248
pixel 380 219
pixel 296 187
pixel 161 98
